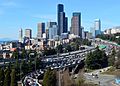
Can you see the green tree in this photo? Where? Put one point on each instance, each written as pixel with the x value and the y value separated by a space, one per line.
pixel 59 48
pixel 30 66
pixel 96 59
pixel 117 64
pixel 74 46
pixel 13 78
pixel 49 78
pixel 113 52
pixel 86 42
pixel 15 54
pixel 68 48
pixel 7 79
pixel 23 54
pixel 24 67
pixel 111 59
pixel 118 54
pixel 2 77
pixel 16 66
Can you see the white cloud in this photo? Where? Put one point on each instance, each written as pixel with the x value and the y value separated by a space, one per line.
pixel 45 17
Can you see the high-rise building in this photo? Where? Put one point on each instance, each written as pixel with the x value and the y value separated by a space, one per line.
pixel 66 25
pixel 41 30
pixel 21 35
pixel 62 20
pixel 76 24
pixel 28 33
pixel 92 31
pixel 47 33
pixel 87 35
pixel 62 23
pixel 97 27
pixel 53 32
pixel 50 24
pixel 83 34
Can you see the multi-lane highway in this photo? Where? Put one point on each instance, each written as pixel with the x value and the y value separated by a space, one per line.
pixel 64 60
pixel 58 62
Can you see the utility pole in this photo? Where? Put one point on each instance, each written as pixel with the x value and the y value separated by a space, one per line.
pixel 59 78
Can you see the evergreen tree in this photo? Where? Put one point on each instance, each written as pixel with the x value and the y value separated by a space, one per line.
pixel 13 78
pixel 23 54
pixel 2 77
pixel 15 54
pixel 49 78
pixel 16 66
pixel 96 59
pixel 7 79
pixel 24 67
pixel 59 48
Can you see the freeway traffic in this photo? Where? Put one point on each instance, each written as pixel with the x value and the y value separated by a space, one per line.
pixel 58 62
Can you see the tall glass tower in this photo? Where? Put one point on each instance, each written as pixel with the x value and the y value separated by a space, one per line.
pixel 97 27
pixel 62 24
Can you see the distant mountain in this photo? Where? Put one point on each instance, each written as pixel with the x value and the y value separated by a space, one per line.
pixel 6 40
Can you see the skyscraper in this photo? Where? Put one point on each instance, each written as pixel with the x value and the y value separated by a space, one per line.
pixel 92 30
pixel 47 33
pixel 97 24
pixel 61 20
pixel 83 35
pixel 50 24
pixel 41 30
pixel 97 27
pixel 62 23
pixel 66 25
pixel 20 35
pixel 49 28
pixel 28 33
pixel 76 24
pixel 53 32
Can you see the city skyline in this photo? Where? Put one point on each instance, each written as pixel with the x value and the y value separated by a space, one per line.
pixel 16 14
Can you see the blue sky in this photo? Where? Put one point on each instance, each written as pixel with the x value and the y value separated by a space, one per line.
pixel 16 14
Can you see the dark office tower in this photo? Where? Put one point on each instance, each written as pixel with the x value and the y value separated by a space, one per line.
pixel 60 8
pixel 41 30
pixel 62 23
pixel 66 25
pixel 61 19
pixel 76 24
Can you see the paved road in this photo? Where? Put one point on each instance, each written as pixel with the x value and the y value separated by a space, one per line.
pixel 101 79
